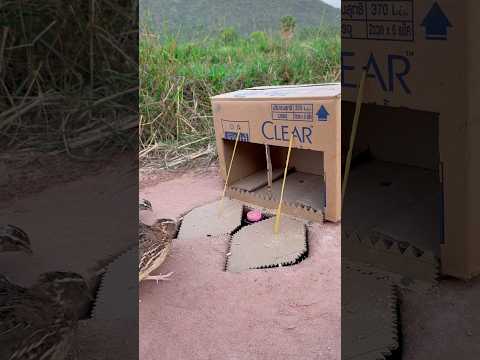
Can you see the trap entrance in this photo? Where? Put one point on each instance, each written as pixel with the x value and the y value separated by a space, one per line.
pixel 257 173
pixel 252 245
pixel 255 246
pixel 246 221
pixel 394 193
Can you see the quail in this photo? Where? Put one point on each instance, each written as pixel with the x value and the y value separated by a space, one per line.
pixel 40 322
pixel 144 204
pixel 155 242
pixel 12 238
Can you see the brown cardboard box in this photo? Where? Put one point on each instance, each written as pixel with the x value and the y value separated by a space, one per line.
pixel 423 55
pixel 269 116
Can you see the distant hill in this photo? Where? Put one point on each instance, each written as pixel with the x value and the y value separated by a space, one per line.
pixel 198 17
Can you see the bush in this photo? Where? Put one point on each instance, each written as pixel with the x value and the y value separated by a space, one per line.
pixel 229 35
pixel 260 40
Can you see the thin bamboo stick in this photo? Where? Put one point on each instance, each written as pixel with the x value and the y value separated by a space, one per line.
pixel 269 169
pixel 228 172
pixel 279 208
pixel 353 134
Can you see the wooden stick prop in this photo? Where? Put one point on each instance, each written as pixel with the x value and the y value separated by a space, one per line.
pixel 228 172
pixel 353 134
pixel 269 169
pixel 279 208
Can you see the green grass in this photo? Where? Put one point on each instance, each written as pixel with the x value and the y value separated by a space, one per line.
pixel 68 77
pixel 177 79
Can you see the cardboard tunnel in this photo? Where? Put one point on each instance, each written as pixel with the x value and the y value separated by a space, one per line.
pixel 266 118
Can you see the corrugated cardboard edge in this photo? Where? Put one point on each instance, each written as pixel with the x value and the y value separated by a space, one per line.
pixel 223 97
pixel 377 351
pixel 100 299
pixel 298 258
pixel 405 265
pixel 195 222
pixel 294 210
pixel 291 86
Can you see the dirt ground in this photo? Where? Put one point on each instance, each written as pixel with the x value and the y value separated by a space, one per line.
pixel 76 219
pixel 292 313
pixel 83 222
pixel 204 312
pixel 443 324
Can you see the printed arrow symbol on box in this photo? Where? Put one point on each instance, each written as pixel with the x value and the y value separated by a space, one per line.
pixel 322 114
pixel 436 24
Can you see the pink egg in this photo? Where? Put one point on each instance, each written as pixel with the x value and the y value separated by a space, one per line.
pixel 254 216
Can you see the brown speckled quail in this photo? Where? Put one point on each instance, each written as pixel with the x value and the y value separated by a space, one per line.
pixel 155 242
pixel 40 322
pixel 12 238
pixel 144 204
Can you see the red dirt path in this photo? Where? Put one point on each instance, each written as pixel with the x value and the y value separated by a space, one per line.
pixel 204 312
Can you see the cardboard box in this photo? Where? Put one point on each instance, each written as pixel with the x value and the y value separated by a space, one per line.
pixel 266 117
pixel 421 56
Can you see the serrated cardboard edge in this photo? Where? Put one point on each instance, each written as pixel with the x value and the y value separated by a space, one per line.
pixel 230 239
pixel 180 219
pixel 394 326
pixel 101 286
pixel 298 258
pixel 416 285
pixel 294 210
pixel 416 263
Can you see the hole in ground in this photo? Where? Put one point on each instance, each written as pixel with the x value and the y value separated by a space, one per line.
pixel 298 260
pixel 265 216
pixel 179 225
pixel 243 223
pixel 246 222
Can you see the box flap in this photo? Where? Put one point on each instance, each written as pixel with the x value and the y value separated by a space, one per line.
pixel 307 91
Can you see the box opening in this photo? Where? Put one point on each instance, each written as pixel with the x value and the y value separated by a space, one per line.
pixel 305 185
pixel 394 189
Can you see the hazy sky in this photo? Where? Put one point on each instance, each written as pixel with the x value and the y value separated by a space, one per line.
pixel 335 3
